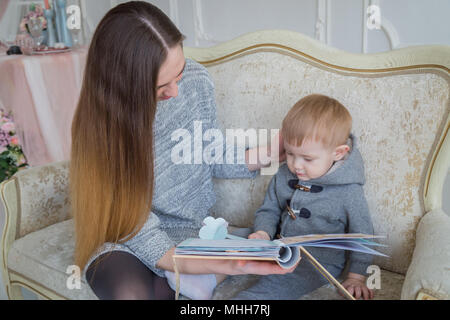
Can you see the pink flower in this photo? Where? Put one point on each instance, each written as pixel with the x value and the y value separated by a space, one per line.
pixel 8 127
pixel 15 141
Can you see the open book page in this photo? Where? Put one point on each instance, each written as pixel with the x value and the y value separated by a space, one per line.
pixel 322 237
pixel 350 241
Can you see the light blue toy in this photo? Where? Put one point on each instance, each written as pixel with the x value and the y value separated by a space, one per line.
pixel 215 229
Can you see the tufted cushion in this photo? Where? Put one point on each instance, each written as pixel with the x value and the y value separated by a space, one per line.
pixel 430 265
pixel 394 119
pixel 44 256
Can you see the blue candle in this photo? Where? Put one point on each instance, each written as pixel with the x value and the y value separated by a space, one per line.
pixel 66 36
pixel 49 14
pixel 57 22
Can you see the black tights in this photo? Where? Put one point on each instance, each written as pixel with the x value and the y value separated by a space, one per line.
pixel 119 275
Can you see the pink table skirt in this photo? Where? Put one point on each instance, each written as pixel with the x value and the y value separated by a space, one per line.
pixel 42 93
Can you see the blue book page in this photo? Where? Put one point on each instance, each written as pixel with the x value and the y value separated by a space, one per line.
pixel 326 237
pixel 357 241
pixel 352 246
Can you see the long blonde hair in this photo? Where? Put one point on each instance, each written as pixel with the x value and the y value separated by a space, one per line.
pixel 111 167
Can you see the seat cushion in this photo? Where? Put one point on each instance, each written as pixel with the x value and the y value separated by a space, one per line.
pixel 43 257
pixel 390 288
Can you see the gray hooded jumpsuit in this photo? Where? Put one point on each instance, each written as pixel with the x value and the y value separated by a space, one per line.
pixel 334 203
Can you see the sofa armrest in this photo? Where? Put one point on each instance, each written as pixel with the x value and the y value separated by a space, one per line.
pixel 35 198
pixel 429 270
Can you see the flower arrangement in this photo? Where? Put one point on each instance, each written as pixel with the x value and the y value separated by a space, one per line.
pixel 35 11
pixel 12 158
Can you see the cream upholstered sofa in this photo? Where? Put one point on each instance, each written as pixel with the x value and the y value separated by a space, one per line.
pixel 399 101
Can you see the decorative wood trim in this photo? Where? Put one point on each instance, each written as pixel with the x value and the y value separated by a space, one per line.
pixel 322 27
pixel 391 33
pixel 437 171
pixel 419 57
pixel 364 40
pixel 199 29
pixel 9 230
pixel 19 279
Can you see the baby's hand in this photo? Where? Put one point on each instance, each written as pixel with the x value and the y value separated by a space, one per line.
pixel 356 286
pixel 259 235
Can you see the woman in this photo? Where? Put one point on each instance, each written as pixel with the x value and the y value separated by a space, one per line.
pixel 131 203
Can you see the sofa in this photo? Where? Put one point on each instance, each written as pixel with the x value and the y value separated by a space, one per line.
pixel 399 101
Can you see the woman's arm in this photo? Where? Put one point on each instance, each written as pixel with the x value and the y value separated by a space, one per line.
pixel 220 266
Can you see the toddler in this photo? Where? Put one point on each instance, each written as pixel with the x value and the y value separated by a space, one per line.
pixel 319 190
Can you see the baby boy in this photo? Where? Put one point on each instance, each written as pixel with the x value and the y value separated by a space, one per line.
pixel 319 190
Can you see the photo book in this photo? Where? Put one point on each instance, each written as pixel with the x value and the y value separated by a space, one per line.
pixel 285 251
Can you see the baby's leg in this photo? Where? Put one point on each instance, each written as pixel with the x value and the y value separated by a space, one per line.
pixel 289 286
pixel 195 286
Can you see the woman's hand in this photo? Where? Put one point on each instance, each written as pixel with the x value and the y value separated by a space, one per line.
pixel 356 286
pixel 240 267
pixel 277 152
pixel 263 156
pixel 218 266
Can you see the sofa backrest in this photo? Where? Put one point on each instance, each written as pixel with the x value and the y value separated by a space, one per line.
pixel 399 102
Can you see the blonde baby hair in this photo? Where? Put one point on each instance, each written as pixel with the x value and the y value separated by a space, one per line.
pixel 319 118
